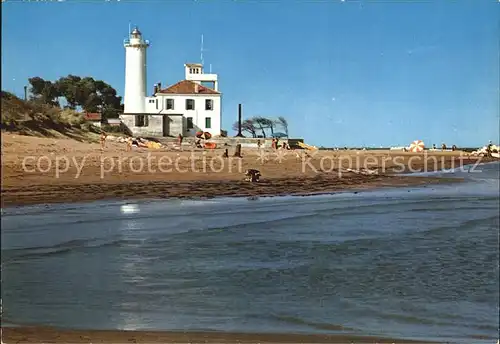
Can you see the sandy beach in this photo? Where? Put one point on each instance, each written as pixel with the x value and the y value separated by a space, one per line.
pixel 43 170
pixel 50 335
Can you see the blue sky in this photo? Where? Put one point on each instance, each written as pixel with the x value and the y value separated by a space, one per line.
pixel 344 73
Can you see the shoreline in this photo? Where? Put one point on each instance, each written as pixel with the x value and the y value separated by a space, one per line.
pixel 300 187
pixel 43 171
pixel 37 334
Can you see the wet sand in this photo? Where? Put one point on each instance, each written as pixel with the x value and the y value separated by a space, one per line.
pixel 50 335
pixel 38 194
pixel 41 170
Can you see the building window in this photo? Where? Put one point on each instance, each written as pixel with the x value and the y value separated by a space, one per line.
pixel 190 70
pixel 156 103
pixel 208 123
pixel 170 104
pixel 141 121
pixel 190 124
pixel 151 101
pixel 209 104
pixel 189 104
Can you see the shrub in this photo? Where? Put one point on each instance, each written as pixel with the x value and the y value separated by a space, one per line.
pixel 34 116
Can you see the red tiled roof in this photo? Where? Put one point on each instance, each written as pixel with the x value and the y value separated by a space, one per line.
pixel 187 87
pixel 92 116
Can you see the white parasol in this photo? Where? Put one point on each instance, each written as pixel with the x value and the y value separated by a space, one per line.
pixel 417 146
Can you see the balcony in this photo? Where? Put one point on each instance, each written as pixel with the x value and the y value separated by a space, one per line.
pixel 126 42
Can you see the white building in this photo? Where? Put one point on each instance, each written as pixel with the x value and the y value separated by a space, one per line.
pixel 135 73
pixel 190 105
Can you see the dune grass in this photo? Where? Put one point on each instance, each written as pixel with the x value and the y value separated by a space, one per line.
pixel 34 118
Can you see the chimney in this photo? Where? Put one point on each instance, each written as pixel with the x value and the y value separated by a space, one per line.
pixel 196 88
pixel 159 86
pixel 239 122
pixel 155 89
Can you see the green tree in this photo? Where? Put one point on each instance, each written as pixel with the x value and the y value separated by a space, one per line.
pixel 263 123
pixel 268 123
pixel 89 94
pixel 86 91
pixel 37 85
pixel 111 102
pixel 283 123
pixel 44 91
pixel 70 89
pixel 93 103
pixel 259 123
pixel 246 125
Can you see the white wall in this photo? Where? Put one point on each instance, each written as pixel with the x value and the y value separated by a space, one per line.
pixel 135 79
pixel 200 76
pixel 198 114
pixel 151 107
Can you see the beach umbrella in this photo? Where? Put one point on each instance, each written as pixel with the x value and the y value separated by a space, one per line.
pixel 207 135
pixel 199 134
pixel 417 146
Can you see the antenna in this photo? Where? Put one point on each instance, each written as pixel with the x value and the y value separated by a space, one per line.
pixel 210 68
pixel 201 49
pixel 129 27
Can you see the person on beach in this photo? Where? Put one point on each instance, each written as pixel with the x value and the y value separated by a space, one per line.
pixel 488 149
pixel 179 140
pixel 259 144
pixel 275 143
pixel 252 175
pixel 103 140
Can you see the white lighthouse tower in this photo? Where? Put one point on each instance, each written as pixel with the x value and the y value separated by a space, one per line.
pixel 135 73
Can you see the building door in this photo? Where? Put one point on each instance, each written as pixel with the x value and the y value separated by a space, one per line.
pixel 166 125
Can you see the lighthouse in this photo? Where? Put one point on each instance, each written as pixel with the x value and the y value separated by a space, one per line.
pixel 135 73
